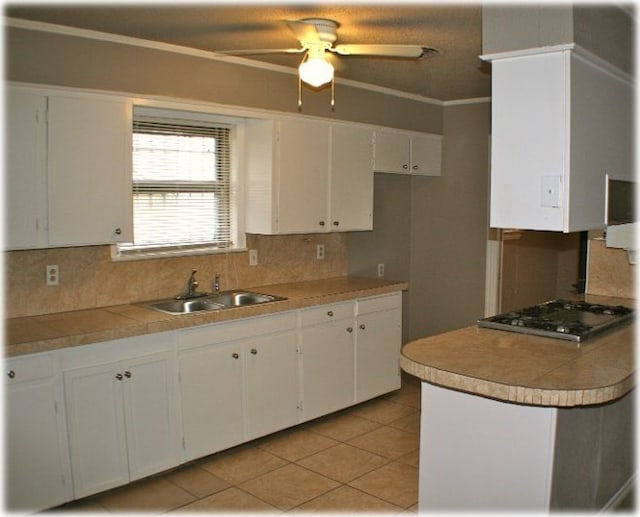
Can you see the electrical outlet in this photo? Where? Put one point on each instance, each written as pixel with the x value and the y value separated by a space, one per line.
pixel 380 270
pixel 320 251
pixel 253 257
pixel 53 274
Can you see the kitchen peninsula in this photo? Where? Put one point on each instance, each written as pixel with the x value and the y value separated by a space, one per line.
pixel 519 422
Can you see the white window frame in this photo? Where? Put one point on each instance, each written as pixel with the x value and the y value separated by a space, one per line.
pixel 237 192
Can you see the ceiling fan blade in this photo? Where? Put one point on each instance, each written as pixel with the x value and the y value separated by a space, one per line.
pixel 304 31
pixel 407 51
pixel 255 51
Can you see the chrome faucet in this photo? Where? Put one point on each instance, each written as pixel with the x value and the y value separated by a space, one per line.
pixel 216 284
pixel 192 285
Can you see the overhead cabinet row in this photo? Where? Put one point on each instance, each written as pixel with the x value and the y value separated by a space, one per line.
pixel 69 170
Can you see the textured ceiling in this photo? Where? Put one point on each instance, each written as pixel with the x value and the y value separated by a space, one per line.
pixel 455 29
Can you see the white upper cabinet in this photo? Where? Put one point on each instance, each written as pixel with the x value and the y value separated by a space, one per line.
pixel 25 178
pixel 89 171
pixel 407 152
pixel 68 173
pixel 560 125
pixel 351 185
pixel 307 176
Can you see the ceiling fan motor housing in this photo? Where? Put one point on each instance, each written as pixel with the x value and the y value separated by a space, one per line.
pixel 326 29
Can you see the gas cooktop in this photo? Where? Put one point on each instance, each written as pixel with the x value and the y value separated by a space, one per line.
pixel 561 319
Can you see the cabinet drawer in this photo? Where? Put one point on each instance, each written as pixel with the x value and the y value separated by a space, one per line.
pixel 30 368
pixel 241 329
pixel 379 303
pixel 327 313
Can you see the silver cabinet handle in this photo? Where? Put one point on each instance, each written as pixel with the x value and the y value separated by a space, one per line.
pixel 363 326
pixel 254 351
pixel 405 166
pixel 235 355
pixel 119 376
pixel 127 374
pixel 415 167
pixel 330 314
pixel 336 223
pixel 349 329
pixel 321 223
pixel 11 374
pixel 118 231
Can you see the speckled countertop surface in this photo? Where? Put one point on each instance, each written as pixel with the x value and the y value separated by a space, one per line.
pixel 60 330
pixel 526 369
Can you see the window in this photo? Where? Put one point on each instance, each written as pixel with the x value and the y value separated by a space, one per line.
pixel 182 184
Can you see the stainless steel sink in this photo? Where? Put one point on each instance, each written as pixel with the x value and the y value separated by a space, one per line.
pixel 210 302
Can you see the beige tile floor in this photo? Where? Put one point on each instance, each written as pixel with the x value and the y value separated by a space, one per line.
pixel 363 458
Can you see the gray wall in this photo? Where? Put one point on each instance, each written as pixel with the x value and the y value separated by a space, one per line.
pixel 432 231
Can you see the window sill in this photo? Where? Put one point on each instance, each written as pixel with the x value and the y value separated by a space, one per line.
pixel 142 254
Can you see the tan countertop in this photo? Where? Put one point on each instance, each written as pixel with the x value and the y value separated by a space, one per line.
pixel 526 369
pixel 65 329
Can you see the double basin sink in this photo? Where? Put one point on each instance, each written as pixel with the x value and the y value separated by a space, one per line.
pixel 210 302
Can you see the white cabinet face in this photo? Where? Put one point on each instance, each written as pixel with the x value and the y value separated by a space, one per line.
pixel 392 152
pixel 211 398
pixel 122 421
pixel 327 367
pixel 153 440
pixel 89 171
pixel 37 470
pixel 303 176
pixel 25 178
pixel 378 341
pixel 97 439
pixel 426 155
pixel 351 178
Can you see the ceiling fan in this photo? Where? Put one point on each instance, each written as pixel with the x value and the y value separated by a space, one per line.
pixel 317 37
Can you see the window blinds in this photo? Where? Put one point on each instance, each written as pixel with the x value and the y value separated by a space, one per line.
pixel 181 183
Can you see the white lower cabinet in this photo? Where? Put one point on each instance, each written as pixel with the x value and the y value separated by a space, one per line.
pixel 121 414
pixel 378 334
pixel 36 460
pixel 238 381
pixel 326 335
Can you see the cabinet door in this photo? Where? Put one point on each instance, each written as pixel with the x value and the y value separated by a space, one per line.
pixel 36 474
pixel 25 178
pixel 271 381
pixel 95 422
pixel 153 441
pixel 211 398
pixel 426 155
pixel 378 342
pixel 303 176
pixel 392 152
pixel 351 178
pixel 89 168
pixel 327 367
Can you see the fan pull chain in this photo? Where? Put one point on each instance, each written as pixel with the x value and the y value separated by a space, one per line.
pixel 299 94
pixel 333 94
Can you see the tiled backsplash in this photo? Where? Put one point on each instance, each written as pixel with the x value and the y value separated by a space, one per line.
pixel 89 278
pixel 609 271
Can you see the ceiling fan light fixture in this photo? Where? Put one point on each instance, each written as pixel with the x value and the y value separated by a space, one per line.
pixel 316 71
